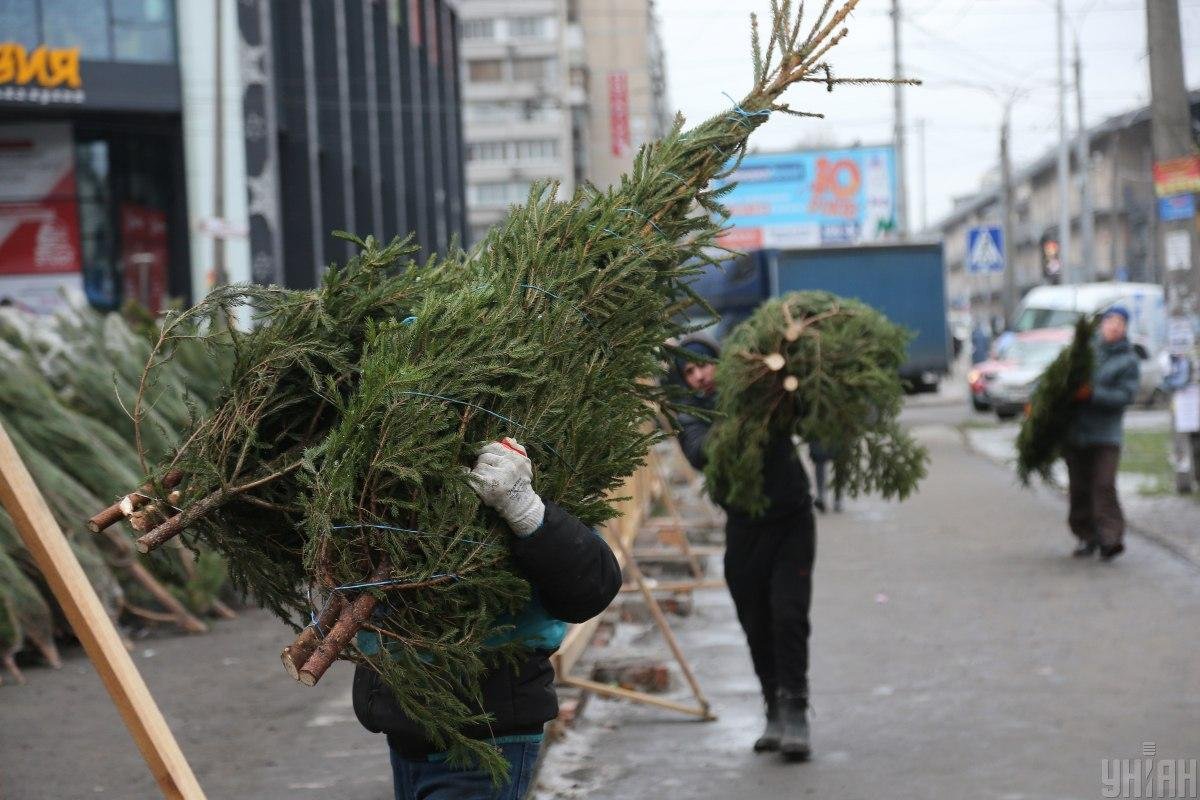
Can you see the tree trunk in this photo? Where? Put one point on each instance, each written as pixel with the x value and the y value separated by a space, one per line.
pixel 298 652
pixel 133 501
pixel 176 524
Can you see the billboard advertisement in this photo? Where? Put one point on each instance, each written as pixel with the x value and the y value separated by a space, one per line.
pixel 813 198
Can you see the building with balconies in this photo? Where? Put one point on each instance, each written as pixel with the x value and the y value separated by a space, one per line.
pixel 517 104
pixel 564 90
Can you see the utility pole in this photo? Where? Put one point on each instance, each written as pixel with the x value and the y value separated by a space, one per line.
pixel 923 174
pixel 1083 151
pixel 1064 159
pixel 219 274
pixel 1010 250
pixel 898 136
pixel 1171 138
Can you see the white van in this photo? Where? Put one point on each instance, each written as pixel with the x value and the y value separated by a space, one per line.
pixel 1060 306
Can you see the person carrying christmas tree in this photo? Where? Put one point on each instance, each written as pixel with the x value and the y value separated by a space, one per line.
pixel 822 457
pixel 574 576
pixel 768 565
pixel 1093 450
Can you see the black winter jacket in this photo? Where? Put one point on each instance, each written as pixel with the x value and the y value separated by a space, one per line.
pixel 785 482
pixel 576 576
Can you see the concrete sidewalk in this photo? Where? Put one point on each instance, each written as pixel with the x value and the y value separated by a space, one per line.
pixel 958 651
pixel 1171 520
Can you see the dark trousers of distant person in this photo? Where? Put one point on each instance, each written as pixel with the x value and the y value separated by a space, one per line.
pixel 768 568
pixel 1095 516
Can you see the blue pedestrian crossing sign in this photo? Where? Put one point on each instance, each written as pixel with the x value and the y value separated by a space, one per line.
pixel 985 249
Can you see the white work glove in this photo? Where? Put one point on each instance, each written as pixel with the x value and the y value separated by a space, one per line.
pixel 502 478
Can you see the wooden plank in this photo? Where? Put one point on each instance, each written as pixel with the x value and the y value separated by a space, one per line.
pixel 675 586
pixel 573 645
pixel 664 628
pixel 621 529
pixel 45 540
pixel 682 524
pixel 639 697
pixel 674 554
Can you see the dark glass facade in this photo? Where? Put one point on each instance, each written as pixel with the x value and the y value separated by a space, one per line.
pixel 353 124
pixel 135 31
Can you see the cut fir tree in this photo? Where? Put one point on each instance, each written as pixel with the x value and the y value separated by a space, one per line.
pixel 1044 430
pixel 342 475
pixel 826 369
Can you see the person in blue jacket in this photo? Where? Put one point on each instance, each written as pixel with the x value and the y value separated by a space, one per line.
pixel 1093 451
pixel 574 576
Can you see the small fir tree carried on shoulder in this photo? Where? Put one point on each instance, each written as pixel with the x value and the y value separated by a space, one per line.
pixel 825 368
pixel 1043 434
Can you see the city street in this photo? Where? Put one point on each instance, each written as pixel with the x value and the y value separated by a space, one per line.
pixel 440 332
pixel 957 651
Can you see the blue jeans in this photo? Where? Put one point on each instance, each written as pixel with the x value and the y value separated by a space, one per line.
pixel 437 780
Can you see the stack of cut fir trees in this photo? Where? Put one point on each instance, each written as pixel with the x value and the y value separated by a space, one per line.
pixel 65 383
pixel 330 472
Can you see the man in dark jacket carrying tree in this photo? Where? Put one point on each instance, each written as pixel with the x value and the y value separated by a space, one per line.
pixel 574 576
pixel 768 566
pixel 1094 441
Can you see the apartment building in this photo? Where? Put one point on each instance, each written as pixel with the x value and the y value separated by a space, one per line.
pixel 517 103
pixel 626 89
pixel 564 90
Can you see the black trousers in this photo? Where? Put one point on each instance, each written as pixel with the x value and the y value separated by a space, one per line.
pixel 768 568
pixel 1095 516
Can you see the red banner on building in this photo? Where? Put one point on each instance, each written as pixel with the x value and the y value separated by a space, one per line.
pixel 618 112
pixel 144 254
pixel 1177 176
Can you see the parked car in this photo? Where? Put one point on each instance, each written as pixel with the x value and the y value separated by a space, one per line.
pixel 983 373
pixel 1012 384
pixel 1060 306
pixel 1006 384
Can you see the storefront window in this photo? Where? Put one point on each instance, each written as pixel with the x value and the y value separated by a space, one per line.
pixel 97 230
pixel 150 45
pixel 77 23
pixel 18 23
pixel 118 30
pixel 142 31
pixel 124 189
pixel 143 12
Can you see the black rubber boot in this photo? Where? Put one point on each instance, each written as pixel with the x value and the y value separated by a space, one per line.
pixel 769 741
pixel 793 713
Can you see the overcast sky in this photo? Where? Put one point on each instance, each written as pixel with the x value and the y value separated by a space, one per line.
pixel 968 52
